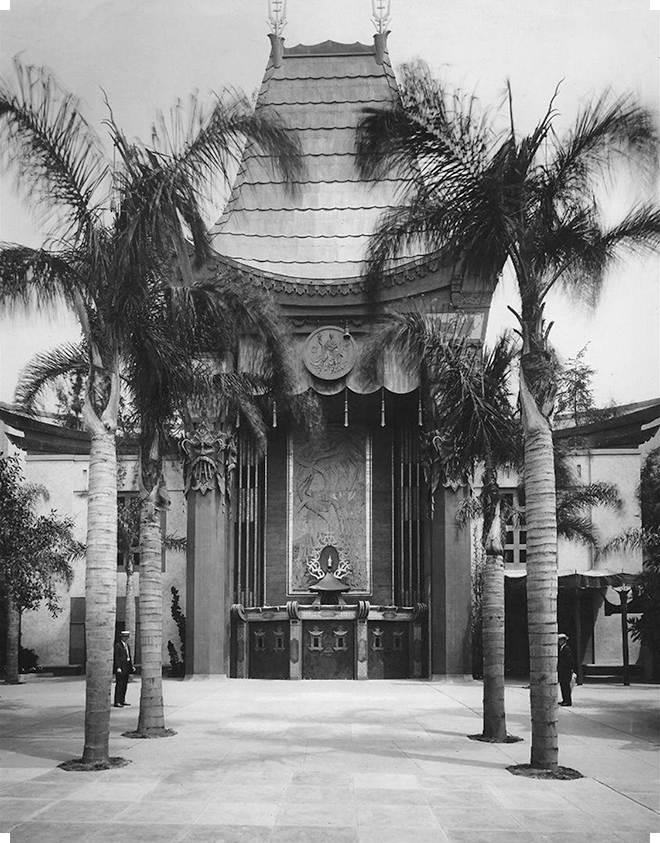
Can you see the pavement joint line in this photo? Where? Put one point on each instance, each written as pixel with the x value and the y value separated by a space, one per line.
pixel 622 793
pixel 575 711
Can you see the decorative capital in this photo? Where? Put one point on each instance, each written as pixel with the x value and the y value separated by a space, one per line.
pixel 209 460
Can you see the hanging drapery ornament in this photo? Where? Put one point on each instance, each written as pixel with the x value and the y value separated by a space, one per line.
pixel 238 419
pixel 420 415
pixel 274 413
pixel 382 406
pixel 345 406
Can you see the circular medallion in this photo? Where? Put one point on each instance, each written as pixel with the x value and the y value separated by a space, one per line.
pixel 329 353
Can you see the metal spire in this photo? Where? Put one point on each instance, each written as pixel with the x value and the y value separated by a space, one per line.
pixel 277 16
pixel 381 14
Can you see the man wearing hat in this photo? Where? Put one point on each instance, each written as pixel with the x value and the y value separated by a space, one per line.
pixel 123 668
pixel 565 669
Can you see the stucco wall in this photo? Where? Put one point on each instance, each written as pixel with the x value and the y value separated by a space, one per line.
pixel 622 468
pixel 65 477
pixel 603 642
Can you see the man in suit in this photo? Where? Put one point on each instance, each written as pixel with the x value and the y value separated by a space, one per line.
pixel 565 669
pixel 123 668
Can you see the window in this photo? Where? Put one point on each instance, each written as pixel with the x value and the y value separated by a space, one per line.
pixel 316 636
pixel 260 639
pixel 340 638
pixel 377 640
pixel 279 640
pixel 515 542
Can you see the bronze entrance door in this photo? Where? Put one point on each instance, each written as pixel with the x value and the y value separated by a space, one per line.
pixel 328 649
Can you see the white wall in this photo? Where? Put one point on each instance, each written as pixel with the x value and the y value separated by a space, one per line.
pixel 65 477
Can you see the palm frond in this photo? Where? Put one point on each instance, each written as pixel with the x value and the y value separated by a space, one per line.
pixel 57 158
pixel 165 186
pixel 577 528
pixel 580 250
pixel 481 196
pixel 607 130
pixel 572 522
pixel 177 544
pixel 37 276
pixel 46 367
pixel 634 538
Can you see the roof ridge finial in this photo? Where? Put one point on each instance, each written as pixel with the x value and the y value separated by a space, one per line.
pixel 381 15
pixel 277 16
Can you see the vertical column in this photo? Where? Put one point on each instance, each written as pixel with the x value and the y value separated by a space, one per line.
pixel 241 640
pixel 295 641
pixel 295 649
pixel 209 459
pixel 362 640
pixel 362 645
pixel 450 595
pixel 416 649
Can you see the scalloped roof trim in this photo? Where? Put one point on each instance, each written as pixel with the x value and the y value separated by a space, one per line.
pixel 411 270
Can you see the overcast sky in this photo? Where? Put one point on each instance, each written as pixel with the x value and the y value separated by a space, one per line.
pixel 146 53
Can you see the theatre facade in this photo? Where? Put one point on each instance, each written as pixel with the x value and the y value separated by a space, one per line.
pixel 334 555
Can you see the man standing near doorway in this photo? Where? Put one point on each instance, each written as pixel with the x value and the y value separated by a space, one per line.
pixel 123 668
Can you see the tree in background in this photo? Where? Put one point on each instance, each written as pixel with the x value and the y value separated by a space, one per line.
pixel 35 554
pixel 484 196
pixel 574 394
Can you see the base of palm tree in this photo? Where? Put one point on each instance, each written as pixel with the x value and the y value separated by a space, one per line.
pixel 77 765
pixel 506 739
pixel 151 733
pixel 559 773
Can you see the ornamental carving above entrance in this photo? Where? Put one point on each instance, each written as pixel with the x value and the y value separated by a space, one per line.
pixel 329 353
pixel 329 504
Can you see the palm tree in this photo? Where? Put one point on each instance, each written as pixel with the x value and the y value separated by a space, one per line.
pixel 474 427
pixel 161 372
pixel 178 325
pixel 108 254
pixel 486 197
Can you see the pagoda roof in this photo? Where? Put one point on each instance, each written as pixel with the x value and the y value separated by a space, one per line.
pixel 630 426
pixel 317 233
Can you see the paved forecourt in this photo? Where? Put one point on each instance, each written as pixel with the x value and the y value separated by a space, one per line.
pixel 326 762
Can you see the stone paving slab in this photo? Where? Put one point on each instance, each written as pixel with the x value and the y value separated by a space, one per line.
pixel 327 762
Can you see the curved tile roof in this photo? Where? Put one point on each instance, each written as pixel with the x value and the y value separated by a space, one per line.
pixel 319 232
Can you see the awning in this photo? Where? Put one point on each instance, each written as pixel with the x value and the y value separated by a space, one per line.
pixel 593 578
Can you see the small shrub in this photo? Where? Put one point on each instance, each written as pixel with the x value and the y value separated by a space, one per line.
pixel 177 664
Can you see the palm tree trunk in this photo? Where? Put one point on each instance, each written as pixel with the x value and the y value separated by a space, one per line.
pixel 100 590
pixel 493 638
pixel 540 517
pixel 151 721
pixel 12 674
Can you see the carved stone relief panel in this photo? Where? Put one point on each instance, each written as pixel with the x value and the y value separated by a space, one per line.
pixel 329 502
